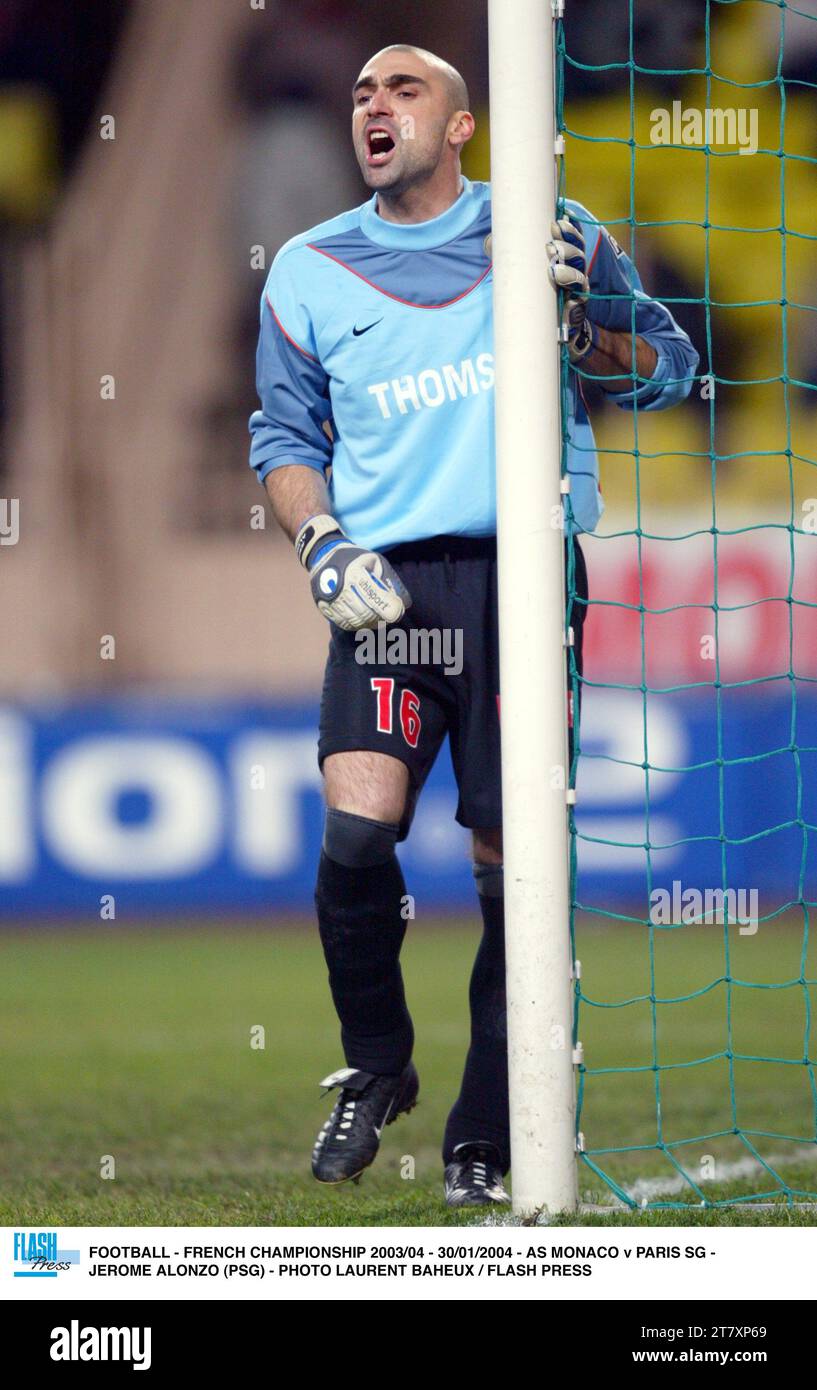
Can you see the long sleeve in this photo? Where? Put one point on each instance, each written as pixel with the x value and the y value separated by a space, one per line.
pixel 618 303
pixel 292 385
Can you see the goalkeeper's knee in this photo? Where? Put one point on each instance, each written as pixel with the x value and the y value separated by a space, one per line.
pixel 358 842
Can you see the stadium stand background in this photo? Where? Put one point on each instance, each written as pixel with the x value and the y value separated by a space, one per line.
pixel 130 259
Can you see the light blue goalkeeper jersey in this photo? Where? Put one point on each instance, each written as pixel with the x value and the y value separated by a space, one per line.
pixel 386 331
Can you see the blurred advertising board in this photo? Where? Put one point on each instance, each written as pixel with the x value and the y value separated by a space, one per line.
pixel 136 806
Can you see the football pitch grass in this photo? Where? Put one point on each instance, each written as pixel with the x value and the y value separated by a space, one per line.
pixel 136 1044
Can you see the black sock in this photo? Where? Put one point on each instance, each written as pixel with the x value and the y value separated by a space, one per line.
pixel 481 1109
pixel 362 930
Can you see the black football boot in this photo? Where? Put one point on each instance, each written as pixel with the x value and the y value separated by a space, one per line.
pixel 349 1140
pixel 474 1177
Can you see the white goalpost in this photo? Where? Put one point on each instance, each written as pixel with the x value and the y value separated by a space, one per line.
pixel 531 598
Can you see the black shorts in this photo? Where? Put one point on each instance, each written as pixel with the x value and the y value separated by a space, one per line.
pixel 401 689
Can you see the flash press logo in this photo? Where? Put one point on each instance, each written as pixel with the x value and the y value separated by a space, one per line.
pixel 75 1343
pixel 36 1255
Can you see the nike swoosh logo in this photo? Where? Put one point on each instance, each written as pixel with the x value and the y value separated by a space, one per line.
pixel 356 332
pixel 385 1119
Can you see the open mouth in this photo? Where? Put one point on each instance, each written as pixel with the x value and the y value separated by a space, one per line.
pixel 379 146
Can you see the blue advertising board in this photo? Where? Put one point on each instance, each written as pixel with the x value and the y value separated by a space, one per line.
pixel 162 806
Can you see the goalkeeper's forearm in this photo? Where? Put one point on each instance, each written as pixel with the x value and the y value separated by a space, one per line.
pixel 353 587
pixel 612 359
pixel 296 492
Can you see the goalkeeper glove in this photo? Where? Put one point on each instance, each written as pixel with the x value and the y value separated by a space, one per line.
pixel 567 268
pixel 353 588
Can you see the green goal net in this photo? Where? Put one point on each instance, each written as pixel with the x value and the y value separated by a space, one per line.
pixel 694 871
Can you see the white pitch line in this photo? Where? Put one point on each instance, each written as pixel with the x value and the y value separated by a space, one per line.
pixel 747 1167
pixel 649 1189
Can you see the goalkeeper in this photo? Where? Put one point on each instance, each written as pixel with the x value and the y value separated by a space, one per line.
pixel 378 325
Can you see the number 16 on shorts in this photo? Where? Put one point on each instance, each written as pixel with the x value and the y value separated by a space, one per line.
pixel 408 710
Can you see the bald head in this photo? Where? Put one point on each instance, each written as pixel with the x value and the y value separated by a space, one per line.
pixel 410 120
pixel 453 82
